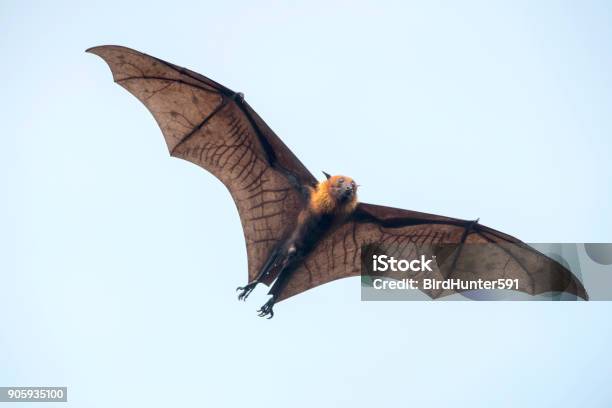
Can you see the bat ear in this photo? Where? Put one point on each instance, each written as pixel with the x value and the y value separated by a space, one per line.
pixel 326 175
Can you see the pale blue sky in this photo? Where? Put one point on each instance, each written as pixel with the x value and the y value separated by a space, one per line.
pixel 119 263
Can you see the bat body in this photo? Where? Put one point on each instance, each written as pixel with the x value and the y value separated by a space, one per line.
pixel 300 233
pixel 330 204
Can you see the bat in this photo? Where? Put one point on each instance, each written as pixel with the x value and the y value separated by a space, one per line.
pixel 301 233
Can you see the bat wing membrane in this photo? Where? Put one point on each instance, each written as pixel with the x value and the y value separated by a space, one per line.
pixel 212 126
pixel 463 249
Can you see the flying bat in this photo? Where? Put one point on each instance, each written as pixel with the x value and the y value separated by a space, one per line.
pixel 301 233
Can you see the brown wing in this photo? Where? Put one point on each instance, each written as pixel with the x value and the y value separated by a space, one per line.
pixel 213 127
pixel 464 250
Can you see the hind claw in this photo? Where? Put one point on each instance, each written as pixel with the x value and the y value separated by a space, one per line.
pixel 266 309
pixel 245 290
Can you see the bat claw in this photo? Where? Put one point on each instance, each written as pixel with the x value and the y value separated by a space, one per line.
pixel 266 309
pixel 245 290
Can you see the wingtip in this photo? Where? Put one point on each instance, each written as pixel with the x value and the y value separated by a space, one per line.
pixel 94 49
pixel 583 294
pixel 578 289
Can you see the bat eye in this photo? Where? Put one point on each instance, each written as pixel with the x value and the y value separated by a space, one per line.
pixel 341 181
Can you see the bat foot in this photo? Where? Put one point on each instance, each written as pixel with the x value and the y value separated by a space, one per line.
pixel 266 309
pixel 245 291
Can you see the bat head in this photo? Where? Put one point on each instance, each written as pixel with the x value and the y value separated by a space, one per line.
pixel 342 188
pixel 337 194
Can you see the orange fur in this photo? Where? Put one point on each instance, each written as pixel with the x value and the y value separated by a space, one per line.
pixel 323 201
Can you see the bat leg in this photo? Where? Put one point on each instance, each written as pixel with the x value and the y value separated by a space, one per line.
pixel 290 257
pixel 277 288
pixel 245 291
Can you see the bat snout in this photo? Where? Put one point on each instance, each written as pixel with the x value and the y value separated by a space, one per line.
pixel 347 193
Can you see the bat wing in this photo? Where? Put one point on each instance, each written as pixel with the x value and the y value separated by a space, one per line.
pixel 464 250
pixel 212 126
